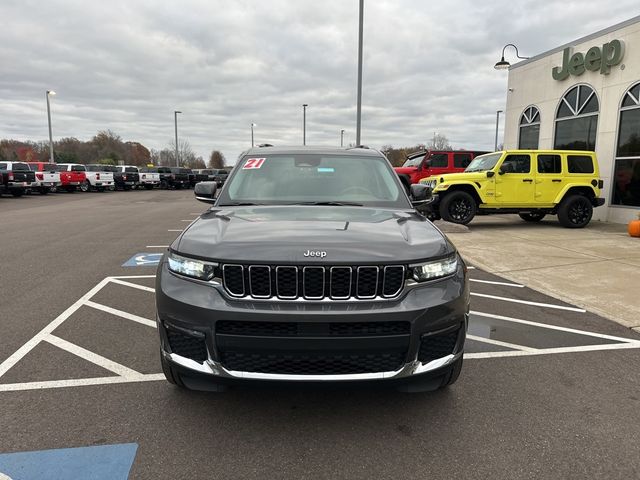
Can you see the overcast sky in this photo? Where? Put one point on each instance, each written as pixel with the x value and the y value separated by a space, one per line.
pixel 127 65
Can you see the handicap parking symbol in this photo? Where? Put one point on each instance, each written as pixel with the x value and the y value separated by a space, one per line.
pixel 100 462
pixel 143 260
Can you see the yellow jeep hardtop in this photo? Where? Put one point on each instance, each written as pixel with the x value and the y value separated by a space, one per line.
pixel 532 183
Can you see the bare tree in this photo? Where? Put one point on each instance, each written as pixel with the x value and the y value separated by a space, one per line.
pixel 216 159
pixel 186 154
pixel 439 142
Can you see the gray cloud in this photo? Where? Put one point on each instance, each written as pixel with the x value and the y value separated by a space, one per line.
pixel 127 65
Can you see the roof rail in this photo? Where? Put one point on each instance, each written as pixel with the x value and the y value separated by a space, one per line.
pixel 358 146
pixel 265 145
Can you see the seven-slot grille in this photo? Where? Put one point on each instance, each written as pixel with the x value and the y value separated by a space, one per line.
pixel 313 282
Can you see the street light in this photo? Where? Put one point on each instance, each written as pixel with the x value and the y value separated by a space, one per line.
pixel 503 64
pixel 175 122
pixel 359 101
pixel 304 123
pixel 341 137
pixel 252 125
pixel 498 112
pixel 50 92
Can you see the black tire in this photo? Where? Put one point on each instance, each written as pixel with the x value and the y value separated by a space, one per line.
pixel 43 190
pixel 170 373
pixel 575 211
pixel 148 187
pixel 17 193
pixel 126 187
pixel 163 184
pixel 85 186
pixel 53 189
pixel 452 375
pixel 532 217
pixel 100 189
pixel 458 207
pixel 177 186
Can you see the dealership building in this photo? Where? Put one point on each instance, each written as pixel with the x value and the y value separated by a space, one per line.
pixel 585 95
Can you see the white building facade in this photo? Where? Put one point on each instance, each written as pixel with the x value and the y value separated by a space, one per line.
pixel 585 96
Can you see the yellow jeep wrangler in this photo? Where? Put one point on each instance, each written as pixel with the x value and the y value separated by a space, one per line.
pixel 531 183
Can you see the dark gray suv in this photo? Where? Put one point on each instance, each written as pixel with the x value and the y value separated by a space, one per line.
pixel 312 265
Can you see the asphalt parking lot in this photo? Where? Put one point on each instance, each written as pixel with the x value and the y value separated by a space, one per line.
pixel 548 390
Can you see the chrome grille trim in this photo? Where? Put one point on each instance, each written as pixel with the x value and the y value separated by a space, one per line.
pixel 256 267
pixel 384 279
pixel 331 270
pixel 224 279
pixel 285 297
pixel 304 282
pixel 375 291
pixel 299 283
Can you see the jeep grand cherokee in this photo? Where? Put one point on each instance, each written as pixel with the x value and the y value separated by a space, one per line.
pixel 312 265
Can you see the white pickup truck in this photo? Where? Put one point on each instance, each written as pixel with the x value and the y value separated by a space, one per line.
pixel 149 177
pixel 98 178
pixel 47 177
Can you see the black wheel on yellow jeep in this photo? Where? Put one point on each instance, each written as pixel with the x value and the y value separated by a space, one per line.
pixel 458 207
pixel 531 216
pixel 575 211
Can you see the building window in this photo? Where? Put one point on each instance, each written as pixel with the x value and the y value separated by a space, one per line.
pixel 626 177
pixel 529 129
pixel 577 120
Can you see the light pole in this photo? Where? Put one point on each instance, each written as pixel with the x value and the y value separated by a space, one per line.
pixel 341 137
pixel 498 112
pixel 359 101
pixel 252 125
pixel 50 92
pixel 175 122
pixel 304 123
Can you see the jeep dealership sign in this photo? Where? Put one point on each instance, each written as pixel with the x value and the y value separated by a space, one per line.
pixel 595 59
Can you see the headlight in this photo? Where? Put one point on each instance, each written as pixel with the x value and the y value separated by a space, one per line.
pixel 433 270
pixel 191 267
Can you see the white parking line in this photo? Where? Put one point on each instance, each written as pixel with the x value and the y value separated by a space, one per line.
pixel 120 313
pixel 92 357
pixel 174 230
pixel 498 343
pixel 517 285
pixel 187 220
pixel 42 334
pixel 157 246
pixel 548 351
pixel 556 327
pixel 526 302
pixel 133 285
pixel 79 382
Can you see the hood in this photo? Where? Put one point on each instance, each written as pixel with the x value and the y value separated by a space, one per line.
pixel 452 177
pixel 405 170
pixel 283 234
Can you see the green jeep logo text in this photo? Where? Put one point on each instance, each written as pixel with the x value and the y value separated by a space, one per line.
pixel 595 59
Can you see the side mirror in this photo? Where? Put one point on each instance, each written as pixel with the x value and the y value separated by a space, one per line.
pixel 205 191
pixel 419 193
pixel 490 173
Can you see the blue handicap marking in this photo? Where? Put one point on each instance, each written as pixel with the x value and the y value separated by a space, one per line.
pixel 143 260
pixel 101 462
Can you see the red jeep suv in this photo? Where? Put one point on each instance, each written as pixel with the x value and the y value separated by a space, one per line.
pixel 421 165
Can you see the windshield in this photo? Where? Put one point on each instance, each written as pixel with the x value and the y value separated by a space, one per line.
pixel 282 179
pixel 131 170
pixel 484 162
pixel 413 162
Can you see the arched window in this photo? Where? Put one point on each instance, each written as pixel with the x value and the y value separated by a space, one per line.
pixel 529 128
pixel 577 119
pixel 626 179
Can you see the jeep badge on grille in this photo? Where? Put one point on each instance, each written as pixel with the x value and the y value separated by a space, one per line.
pixel 317 253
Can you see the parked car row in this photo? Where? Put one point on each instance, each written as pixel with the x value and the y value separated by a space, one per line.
pixel 18 178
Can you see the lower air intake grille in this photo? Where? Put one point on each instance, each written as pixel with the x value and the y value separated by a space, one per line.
pixel 187 346
pixel 437 346
pixel 312 329
pixel 313 364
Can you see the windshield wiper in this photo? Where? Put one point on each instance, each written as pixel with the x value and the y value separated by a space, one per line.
pixel 338 204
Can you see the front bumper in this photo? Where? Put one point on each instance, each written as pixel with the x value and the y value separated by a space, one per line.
pixel 193 310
